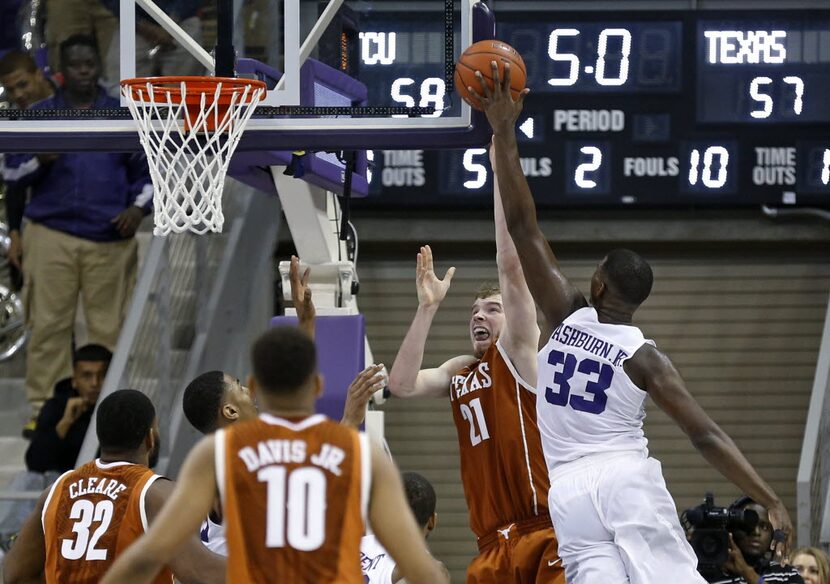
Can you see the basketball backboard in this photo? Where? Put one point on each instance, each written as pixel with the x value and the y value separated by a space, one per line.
pixel 335 82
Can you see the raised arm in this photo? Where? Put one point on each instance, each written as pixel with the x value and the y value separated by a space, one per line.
pixel 551 290
pixel 178 520
pixel 301 296
pixel 193 563
pixel 395 526
pixel 24 564
pixel 520 336
pixel 407 379
pixel 654 372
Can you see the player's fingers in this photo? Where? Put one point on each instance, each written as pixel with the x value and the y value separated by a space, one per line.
pixel 306 276
pixel 293 267
pixel 448 276
pixel 521 99
pixel 505 85
pixel 485 87
pixel 481 99
pixel 496 76
pixel 428 257
pixel 307 296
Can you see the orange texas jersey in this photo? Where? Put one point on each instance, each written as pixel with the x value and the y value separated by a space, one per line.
pixel 502 465
pixel 294 496
pixel 91 515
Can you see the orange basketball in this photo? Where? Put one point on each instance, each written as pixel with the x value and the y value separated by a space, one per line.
pixel 478 57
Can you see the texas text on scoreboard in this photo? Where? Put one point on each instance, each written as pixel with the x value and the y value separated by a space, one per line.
pixel 644 108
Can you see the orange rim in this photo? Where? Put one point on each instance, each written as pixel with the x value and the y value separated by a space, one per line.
pixel 195 87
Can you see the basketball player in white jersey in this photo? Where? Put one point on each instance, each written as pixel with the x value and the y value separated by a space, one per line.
pixel 615 519
pixel 377 565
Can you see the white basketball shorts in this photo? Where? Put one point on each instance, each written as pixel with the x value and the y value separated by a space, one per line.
pixel 617 524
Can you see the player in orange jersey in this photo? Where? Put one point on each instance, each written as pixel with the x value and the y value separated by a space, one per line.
pixel 296 488
pixel 91 515
pixel 493 401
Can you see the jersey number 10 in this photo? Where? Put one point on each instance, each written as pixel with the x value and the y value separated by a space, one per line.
pixel 595 387
pixel 296 507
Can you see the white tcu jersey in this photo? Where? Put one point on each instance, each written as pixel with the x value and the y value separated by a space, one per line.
pixel 375 562
pixel 586 404
pixel 213 537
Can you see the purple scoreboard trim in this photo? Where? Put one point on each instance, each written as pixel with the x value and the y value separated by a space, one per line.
pixel 341 354
pixel 476 134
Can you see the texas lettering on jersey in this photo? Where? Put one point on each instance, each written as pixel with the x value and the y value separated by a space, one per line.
pixel 478 378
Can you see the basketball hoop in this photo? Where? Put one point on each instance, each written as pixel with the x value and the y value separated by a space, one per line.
pixel 189 128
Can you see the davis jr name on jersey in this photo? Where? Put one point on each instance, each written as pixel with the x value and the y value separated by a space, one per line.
pixel 291 451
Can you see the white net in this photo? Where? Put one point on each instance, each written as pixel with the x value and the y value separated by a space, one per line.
pixel 189 131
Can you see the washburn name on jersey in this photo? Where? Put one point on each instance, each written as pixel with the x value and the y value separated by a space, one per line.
pixel 478 378
pixel 87 486
pixel 291 452
pixel 573 337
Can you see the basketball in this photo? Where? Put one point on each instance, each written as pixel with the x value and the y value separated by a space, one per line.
pixel 478 57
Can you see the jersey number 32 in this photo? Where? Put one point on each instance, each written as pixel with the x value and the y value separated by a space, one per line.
pixel 595 376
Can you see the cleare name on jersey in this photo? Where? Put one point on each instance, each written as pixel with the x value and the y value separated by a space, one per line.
pixel 96 485
pixel 574 337
pixel 268 452
pixel 478 378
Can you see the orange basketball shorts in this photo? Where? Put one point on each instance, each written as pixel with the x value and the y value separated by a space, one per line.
pixel 520 553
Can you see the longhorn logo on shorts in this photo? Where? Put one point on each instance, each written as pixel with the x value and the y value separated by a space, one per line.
pixel 506 532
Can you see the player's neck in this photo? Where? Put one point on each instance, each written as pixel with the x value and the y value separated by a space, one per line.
pixel 613 315
pixel 288 410
pixel 131 457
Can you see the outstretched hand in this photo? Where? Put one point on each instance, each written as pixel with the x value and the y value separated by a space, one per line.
pixel 431 290
pixel 301 292
pixel 782 533
pixel 361 390
pixel 501 110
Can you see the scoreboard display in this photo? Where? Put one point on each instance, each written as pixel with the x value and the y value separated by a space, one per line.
pixel 626 108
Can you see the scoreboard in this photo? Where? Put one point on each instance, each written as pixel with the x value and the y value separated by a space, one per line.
pixel 654 108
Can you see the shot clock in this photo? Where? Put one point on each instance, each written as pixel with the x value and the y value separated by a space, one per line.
pixel 630 108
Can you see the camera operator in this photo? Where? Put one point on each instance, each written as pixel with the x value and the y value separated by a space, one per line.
pixel 749 553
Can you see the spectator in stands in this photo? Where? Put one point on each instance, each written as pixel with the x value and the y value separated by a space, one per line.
pixel 813 565
pixel 64 419
pixel 84 211
pixel 22 80
pixel 25 85
pixel 749 553
pixel 68 18
pixel 156 52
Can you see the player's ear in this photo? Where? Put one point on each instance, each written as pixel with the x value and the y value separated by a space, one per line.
pixel 230 412
pixel 318 384
pixel 432 523
pixel 252 388
pixel 150 440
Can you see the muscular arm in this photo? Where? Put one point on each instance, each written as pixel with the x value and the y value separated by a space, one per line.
pixel 395 526
pixel 181 516
pixel 193 563
pixel 520 336
pixel 654 372
pixel 407 379
pixel 551 290
pixel 25 562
